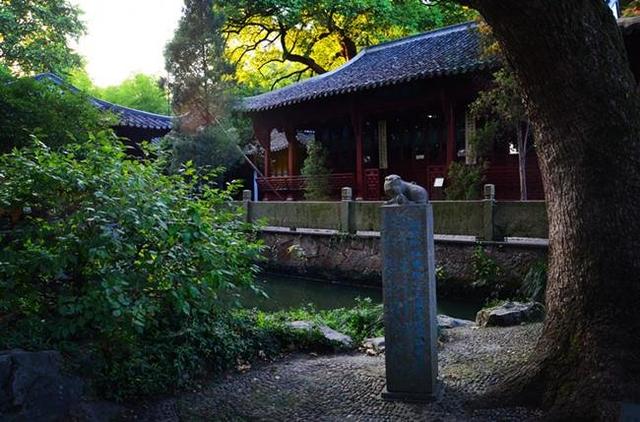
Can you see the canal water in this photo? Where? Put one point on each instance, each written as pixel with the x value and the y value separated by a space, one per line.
pixel 285 292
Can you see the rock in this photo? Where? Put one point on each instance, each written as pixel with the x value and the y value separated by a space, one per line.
pixel 328 333
pixel 510 313
pixel 301 325
pixel 335 336
pixel 373 345
pixel 32 386
pixel 445 321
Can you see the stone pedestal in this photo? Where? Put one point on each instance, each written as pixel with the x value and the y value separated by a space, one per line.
pixel 409 292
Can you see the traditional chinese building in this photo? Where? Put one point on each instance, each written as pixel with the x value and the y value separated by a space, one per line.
pixel 399 107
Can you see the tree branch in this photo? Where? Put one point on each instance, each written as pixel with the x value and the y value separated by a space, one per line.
pixel 294 73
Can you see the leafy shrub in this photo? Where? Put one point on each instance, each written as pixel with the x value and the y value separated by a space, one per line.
pixel 486 271
pixel 465 182
pixel 441 273
pixel 214 147
pixel 114 257
pixel 364 320
pixel 316 172
pixel 55 114
pixel 534 284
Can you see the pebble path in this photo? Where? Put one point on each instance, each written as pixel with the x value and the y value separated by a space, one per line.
pixel 347 387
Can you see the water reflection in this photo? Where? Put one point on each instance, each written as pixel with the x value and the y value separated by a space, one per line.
pixel 288 292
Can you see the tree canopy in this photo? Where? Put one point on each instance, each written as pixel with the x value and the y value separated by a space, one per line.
pixel 35 34
pixel 286 40
pixel 139 91
pixel 198 71
pixel 56 115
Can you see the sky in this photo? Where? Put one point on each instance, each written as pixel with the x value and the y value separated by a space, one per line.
pixel 125 37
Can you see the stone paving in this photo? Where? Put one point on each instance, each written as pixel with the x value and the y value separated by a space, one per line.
pixel 347 386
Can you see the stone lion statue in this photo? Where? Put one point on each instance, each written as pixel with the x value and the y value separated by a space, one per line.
pixel 401 192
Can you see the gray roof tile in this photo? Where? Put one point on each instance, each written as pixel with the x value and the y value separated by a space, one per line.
pixel 452 50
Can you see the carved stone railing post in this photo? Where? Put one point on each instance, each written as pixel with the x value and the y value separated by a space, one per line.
pixel 409 293
pixel 489 205
pixel 347 211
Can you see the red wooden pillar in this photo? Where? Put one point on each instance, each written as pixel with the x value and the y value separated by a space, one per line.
pixel 356 123
pixel 267 162
pixel 451 131
pixel 263 135
pixel 292 150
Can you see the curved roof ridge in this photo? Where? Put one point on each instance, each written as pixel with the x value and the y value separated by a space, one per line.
pixel 428 34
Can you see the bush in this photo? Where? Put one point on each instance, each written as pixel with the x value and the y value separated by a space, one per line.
pixel 465 182
pixel 534 284
pixel 316 172
pixel 111 257
pixel 211 148
pixel 55 114
pixel 486 272
pixel 364 320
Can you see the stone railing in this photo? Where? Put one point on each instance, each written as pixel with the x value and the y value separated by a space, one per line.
pixel 486 219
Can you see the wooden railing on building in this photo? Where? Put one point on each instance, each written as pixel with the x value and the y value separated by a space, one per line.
pixel 296 183
pixel 486 219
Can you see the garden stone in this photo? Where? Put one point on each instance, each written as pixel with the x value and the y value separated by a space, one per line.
pixel 510 313
pixel 335 336
pixel 375 343
pixel 447 322
pixel 33 388
pixel 328 333
pixel 301 325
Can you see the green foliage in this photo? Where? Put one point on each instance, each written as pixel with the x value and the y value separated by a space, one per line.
pixel 199 72
pixel 316 172
pixel 464 181
pixel 364 320
pixel 35 35
pixel 55 114
pixel 486 271
pixel 212 148
pixel 534 284
pixel 140 91
pixel 287 39
pixel 441 273
pixel 115 258
pixel 632 8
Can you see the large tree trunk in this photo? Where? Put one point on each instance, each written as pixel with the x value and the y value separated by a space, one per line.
pixel 580 94
pixel 522 159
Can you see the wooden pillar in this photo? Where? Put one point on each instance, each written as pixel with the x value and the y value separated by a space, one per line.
pixel 293 167
pixel 451 131
pixel 263 135
pixel 356 123
pixel 267 162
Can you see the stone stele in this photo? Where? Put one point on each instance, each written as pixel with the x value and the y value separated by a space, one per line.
pixel 409 294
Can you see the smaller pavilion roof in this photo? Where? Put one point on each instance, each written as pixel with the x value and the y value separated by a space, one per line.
pixel 128 117
pixel 451 50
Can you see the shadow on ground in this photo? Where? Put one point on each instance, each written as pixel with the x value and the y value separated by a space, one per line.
pixel 348 386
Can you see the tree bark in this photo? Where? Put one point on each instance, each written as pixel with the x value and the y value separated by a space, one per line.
pixel 580 94
pixel 522 159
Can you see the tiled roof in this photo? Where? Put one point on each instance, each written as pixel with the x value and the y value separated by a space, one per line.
pixel 128 117
pixel 447 51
